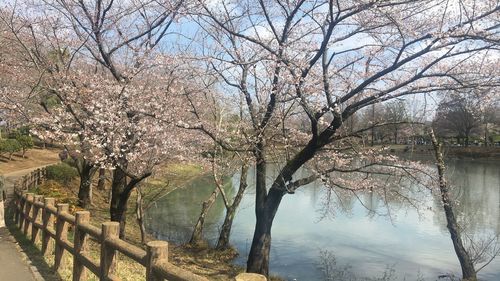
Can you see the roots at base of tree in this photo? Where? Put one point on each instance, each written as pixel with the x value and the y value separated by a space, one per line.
pixel 201 244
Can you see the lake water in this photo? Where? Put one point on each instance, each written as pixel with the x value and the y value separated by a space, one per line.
pixel 365 244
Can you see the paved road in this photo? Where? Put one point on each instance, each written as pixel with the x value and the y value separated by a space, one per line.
pixel 13 266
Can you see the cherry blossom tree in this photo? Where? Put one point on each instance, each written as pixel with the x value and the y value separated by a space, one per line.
pixel 123 131
pixel 41 56
pixel 322 61
pixel 114 94
pixel 16 96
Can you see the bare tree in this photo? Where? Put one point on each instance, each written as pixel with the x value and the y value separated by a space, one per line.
pixel 396 113
pixel 459 116
pixel 231 207
pixel 490 120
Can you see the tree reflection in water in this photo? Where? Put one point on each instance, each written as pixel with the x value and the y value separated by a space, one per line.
pixel 408 241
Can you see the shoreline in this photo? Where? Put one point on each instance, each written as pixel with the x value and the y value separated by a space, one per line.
pixel 450 152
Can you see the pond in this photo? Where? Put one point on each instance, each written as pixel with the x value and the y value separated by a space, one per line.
pixel 355 240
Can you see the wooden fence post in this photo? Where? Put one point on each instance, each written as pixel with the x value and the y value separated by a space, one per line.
pixel 61 234
pixel 17 202
pixel 48 222
pixel 79 272
pixel 39 176
pixel 24 186
pixel 36 218
pixel 27 214
pixel 22 203
pixel 32 180
pixel 108 255
pixel 156 250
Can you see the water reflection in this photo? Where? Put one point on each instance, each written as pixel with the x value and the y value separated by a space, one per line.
pixel 408 242
pixel 173 216
pixel 478 191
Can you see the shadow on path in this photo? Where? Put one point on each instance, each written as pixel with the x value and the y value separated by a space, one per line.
pixel 33 253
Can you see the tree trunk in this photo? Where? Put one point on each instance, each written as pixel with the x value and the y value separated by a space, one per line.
pixel 119 199
pixel 102 179
pixel 468 271
pixel 258 258
pixel 266 206
pixel 85 190
pixel 139 211
pixel 197 235
pixel 373 127
pixel 486 133
pixel 225 233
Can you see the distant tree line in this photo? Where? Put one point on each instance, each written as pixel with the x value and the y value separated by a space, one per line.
pixel 459 119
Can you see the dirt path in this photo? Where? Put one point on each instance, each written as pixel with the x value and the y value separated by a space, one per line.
pixel 12 177
pixel 18 166
pixel 34 158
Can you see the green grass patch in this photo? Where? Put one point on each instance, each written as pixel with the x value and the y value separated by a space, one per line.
pixel 62 173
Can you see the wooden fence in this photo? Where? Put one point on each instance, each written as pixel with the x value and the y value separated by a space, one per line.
pixel 46 222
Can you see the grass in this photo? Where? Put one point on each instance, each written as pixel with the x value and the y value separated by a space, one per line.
pixel 207 262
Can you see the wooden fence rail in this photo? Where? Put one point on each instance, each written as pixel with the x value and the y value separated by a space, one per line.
pixel 46 222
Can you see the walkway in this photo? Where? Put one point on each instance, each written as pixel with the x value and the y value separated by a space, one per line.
pixel 13 263
pixel 13 267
